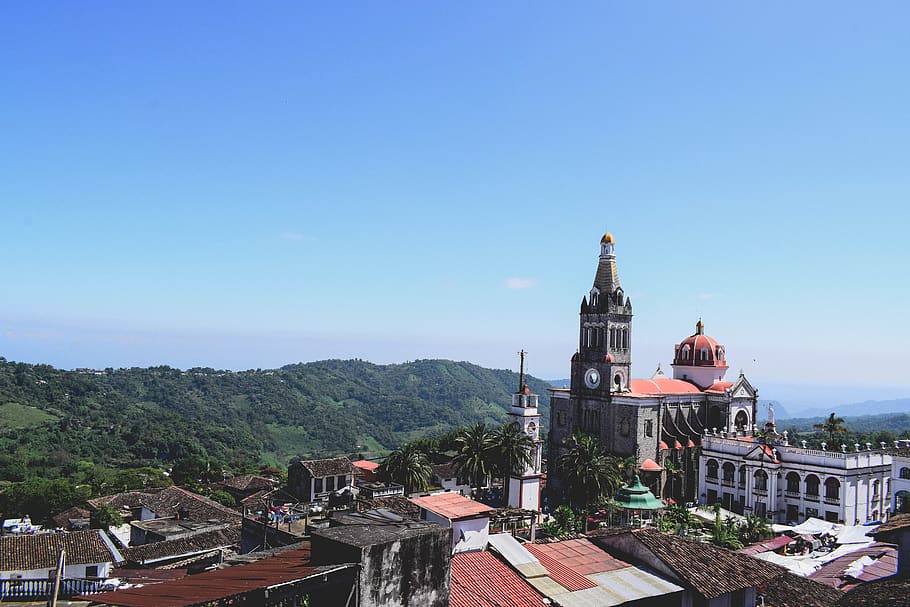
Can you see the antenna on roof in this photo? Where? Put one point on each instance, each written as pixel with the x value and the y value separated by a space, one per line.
pixel 521 372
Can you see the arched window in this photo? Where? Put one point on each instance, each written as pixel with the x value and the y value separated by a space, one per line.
pixel 712 468
pixel 832 488
pixel 742 477
pixel 720 353
pixel 704 353
pixel 729 472
pixel 905 473
pixel 761 480
pixel 876 488
pixel 684 355
pixel 741 421
pixel 792 482
pixel 812 485
pixel 612 338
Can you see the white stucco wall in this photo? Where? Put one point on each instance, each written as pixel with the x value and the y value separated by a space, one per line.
pixel 70 571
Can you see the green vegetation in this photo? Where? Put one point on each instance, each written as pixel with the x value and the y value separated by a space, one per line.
pixel 848 430
pixel 103 432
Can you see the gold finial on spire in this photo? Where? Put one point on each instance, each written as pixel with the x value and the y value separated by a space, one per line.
pixel 607 238
pixel 699 327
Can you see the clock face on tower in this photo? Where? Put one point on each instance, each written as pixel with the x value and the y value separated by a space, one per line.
pixel 592 378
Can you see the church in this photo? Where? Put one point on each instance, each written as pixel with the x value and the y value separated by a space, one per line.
pixel 659 421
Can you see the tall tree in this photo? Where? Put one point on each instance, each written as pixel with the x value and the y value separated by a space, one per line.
pixel 833 425
pixel 408 466
pixel 587 470
pixel 476 454
pixel 514 452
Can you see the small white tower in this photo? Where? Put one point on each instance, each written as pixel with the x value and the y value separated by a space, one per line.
pixel 524 488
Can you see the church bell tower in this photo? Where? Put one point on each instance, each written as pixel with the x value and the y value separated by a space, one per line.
pixel 602 365
pixel 524 487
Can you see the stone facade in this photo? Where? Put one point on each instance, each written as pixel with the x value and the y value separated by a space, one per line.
pixel 660 418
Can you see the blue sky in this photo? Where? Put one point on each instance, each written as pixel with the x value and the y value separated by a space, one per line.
pixel 245 185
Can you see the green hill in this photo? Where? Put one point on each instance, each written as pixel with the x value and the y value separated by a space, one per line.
pixel 50 418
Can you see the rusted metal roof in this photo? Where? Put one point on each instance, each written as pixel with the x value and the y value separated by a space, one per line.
pixel 286 567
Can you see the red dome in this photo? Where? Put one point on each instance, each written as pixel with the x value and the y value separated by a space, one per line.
pixel 700 350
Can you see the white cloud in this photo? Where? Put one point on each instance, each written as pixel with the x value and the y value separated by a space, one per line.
pixel 520 283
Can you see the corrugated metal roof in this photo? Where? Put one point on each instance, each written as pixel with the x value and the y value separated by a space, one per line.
pixel 480 580
pixel 289 566
pixel 633 583
pixel 511 550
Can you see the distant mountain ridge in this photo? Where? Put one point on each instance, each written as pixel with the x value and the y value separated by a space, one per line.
pixel 157 415
pixel 869 407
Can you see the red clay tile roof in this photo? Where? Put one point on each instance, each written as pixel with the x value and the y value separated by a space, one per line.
pixel 210 540
pixel 481 580
pixel 168 501
pixel 790 590
pixel 365 464
pixel 319 468
pixel 63 519
pixel 710 570
pixel 719 386
pixel 41 551
pixel 896 523
pixel 248 482
pixel 887 592
pixel 452 506
pixel 662 386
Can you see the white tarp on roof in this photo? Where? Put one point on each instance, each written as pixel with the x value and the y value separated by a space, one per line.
pixel 816 526
pixel 840 551
pixel 800 565
pixel 856 534
pixel 708 515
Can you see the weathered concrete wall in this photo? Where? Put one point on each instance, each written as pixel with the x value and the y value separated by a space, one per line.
pixel 258 536
pixel 404 565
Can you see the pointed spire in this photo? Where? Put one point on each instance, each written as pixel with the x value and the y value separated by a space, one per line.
pixel 607 277
pixel 699 327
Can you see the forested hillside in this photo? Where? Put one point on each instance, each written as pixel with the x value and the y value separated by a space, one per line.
pixel 50 419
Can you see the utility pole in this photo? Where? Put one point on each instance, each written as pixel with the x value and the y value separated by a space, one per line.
pixel 61 564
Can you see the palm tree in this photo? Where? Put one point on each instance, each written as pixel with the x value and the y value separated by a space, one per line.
pixel 587 470
pixel 833 425
pixel 514 452
pixel 476 455
pixel 754 529
pixel 725 533
pixel 628 467
pixel 409 466
pixel 674 473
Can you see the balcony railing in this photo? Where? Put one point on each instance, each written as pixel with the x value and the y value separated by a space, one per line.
pixel 711 479
pixel 760 490
pixel 811 497
pixel 35 589
pixel 832 500
pixel 793 494
pixel 727 483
